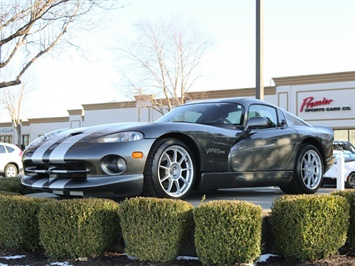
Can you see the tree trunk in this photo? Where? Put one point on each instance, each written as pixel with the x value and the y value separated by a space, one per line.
pixel 19 134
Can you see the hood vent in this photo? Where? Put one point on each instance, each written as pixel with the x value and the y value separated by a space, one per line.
pixel 73 134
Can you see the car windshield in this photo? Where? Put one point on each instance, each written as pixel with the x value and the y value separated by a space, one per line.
pixel 346 154
pixel 343 146
pixel 206 113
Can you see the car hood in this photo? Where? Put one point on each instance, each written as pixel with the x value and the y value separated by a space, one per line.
pixel 84 134
pixel 102 130
pixel 149 130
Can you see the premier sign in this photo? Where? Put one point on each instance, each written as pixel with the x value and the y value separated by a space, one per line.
pixel 309 104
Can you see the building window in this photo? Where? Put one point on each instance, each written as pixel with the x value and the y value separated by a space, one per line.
pixel 352 136
pixel 345 135
pixel 25 140
pixel 6 139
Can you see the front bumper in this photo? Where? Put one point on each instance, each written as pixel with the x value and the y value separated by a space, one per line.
pixel 123 185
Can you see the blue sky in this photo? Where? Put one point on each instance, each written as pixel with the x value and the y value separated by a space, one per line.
pixel 300 37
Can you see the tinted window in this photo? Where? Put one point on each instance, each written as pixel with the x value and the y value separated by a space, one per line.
pixel 343 146
pixel 265 111
pixel 206 113
pixel 188 116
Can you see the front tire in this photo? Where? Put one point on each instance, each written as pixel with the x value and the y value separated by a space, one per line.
pixel 308 172
pixel 350 181
pixel 170 170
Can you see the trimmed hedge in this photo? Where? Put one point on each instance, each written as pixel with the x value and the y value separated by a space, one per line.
pixel 19 222
pixel 303 227
pixel 153 229
pixel 13 184
pixel 9 193
pixel 309 227
pixel 349 194
pixel 78 228
pixel 227 232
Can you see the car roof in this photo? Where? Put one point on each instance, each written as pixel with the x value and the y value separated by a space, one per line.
pixel 9 145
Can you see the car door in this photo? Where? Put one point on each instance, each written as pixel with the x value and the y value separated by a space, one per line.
pixel 264 149
pixel 3 159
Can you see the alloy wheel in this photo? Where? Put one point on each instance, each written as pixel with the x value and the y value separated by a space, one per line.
pixel 175 171
pixel 311 170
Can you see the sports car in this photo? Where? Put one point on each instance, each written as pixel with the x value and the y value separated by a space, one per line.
pixel 203 145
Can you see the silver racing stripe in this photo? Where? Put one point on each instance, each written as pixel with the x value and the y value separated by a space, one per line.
pixel 57 155
pixel 40 183
pixel 37 156
pixel 60 183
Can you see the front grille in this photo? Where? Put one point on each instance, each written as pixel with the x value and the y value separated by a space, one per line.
pixel 73 170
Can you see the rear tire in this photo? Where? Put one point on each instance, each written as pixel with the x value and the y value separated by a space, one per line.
pixel 308 172
pixel 170 170
pixel 10 170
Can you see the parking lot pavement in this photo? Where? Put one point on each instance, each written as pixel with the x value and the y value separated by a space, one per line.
pixel 263 196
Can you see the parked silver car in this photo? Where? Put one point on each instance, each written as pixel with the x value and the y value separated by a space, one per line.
pixel 10 160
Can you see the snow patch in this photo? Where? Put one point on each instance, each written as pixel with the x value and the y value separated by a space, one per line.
pixel 65 263
pixel 15 257
pixel 265 257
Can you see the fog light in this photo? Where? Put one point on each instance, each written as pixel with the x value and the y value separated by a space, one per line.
pixel 113 165
pixel 121 164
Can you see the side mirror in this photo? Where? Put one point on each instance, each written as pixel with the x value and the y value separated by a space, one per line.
pixel 256 122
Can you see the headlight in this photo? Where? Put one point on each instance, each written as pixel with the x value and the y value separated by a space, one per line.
pixel 119 137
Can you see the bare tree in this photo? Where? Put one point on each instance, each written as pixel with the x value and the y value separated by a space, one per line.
pixel 30 29
pixel 12 99
pixel 162 61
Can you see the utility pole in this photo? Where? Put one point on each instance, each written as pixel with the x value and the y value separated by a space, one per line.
pixel 259 50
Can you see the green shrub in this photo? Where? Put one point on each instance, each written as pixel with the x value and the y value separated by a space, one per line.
pixel 227 232
pixel 9 193
pixel 19 222
pixel 309 227
pixel 13 184
pixel 153 229
pixel 78 227
pixel 349 194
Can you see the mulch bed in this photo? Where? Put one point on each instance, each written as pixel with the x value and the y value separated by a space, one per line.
pixel 345 257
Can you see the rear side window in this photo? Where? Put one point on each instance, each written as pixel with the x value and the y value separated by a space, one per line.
pixel 294 120
pixel 10 149
pixel 2 149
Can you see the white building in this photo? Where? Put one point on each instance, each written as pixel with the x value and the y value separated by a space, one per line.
pixel 322 99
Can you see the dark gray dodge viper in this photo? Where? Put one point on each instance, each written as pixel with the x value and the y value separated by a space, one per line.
pixel 201 146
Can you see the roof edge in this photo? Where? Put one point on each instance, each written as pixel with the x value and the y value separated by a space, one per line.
pixel 315 78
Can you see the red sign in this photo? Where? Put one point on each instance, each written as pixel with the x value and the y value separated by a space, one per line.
pixel 310 103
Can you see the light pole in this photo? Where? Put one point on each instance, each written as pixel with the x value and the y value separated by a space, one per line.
pixel 259 50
